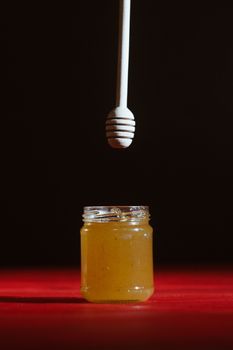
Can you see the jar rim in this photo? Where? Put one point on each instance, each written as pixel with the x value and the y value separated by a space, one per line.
pixel 106 213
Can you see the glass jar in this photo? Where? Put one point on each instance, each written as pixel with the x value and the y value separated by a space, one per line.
pixel 116 254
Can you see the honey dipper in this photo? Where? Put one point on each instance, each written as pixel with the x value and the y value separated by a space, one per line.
pixel 120 124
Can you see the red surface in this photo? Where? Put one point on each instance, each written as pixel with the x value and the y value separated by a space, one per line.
pixel 42 309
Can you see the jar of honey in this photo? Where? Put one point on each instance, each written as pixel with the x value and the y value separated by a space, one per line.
pixel 116 254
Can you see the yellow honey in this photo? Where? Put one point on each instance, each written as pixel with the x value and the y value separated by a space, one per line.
pixel 116 255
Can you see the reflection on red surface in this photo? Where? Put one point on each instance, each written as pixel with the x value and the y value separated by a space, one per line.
pixel 43 309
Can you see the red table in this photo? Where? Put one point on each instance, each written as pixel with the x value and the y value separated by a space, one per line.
pixel 43 309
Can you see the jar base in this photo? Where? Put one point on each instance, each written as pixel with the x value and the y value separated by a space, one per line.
pixel 113 298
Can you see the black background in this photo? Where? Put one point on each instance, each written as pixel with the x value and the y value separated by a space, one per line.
pixel 58 76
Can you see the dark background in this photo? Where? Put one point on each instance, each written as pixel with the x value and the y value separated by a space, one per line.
pixel 58 76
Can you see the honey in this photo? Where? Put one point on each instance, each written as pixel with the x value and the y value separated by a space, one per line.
pixel 116 255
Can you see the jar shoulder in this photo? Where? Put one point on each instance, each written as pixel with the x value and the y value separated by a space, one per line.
pixel 117 226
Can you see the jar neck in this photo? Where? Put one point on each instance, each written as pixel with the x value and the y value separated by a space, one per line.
pixel 116 214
